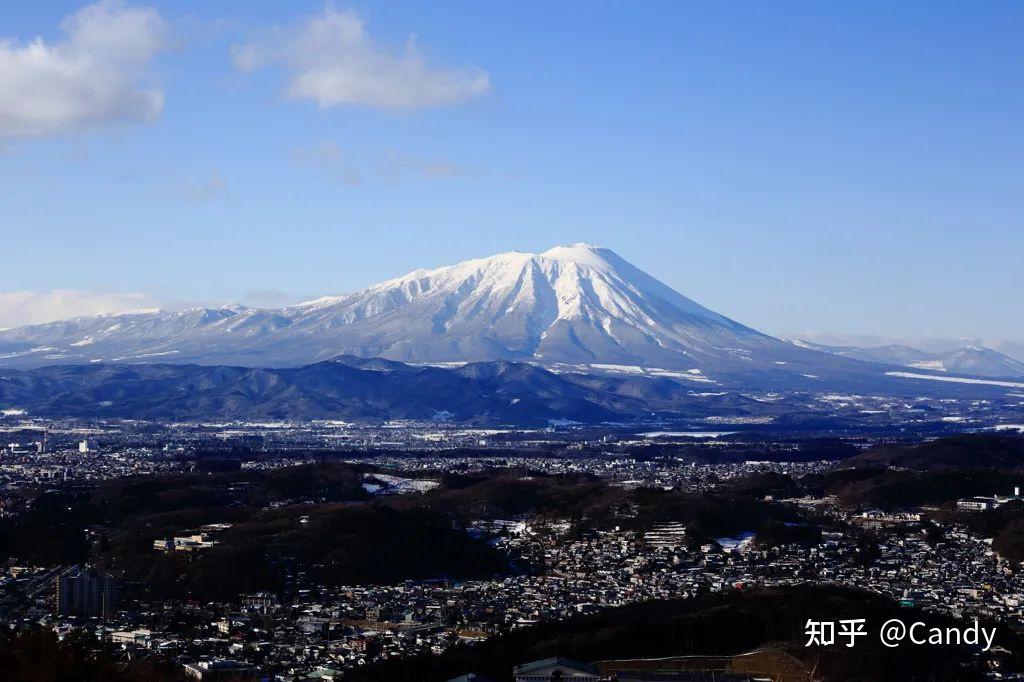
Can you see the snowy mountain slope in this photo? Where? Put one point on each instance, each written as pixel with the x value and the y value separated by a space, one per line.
pixel 575 307
pixel 968 360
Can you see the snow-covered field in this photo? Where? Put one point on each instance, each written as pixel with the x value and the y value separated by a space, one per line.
pixel 688 375
pixel 686 434
pixel 379 484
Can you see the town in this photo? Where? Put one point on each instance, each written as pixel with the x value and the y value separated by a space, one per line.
pixel 921 556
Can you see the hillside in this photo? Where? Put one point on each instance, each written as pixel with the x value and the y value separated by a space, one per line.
pixel 356 388
pixel 721 624
pixel 975 451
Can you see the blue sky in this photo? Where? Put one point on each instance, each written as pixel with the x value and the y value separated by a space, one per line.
pixel 853 167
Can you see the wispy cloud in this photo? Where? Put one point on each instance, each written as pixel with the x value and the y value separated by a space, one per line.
pixel 92 76
pixel 329 159
pixel 398 167
pixel 212 187
pixel 331 59
pixel 271 298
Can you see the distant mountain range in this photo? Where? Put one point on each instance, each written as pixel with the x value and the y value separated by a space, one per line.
pixel 969 360
pixel 351 388
pixel 576 310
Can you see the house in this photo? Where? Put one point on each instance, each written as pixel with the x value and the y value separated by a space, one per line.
pixel 556 668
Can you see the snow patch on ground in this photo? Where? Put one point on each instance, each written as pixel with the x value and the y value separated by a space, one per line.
pixel 689 375
pixel 956 380
pixel 928 364
pixel 740 542
pixel 144 355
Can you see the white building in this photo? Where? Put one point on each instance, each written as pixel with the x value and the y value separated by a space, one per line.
pixel 138 637
pixel 976 503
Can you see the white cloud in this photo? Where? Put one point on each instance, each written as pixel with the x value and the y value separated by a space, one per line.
pixel 333 61
pixel 18 308
pixel 90 77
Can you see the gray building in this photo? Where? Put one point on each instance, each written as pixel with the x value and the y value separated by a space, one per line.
pixel 85 592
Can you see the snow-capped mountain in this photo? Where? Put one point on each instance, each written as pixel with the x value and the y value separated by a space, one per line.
pixel 970 359
pixel 575 306
pixel 982 362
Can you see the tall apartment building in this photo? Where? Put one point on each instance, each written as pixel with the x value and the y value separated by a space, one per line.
pixel 85 592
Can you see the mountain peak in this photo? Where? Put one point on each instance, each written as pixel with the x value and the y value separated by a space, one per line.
pixel 582 253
